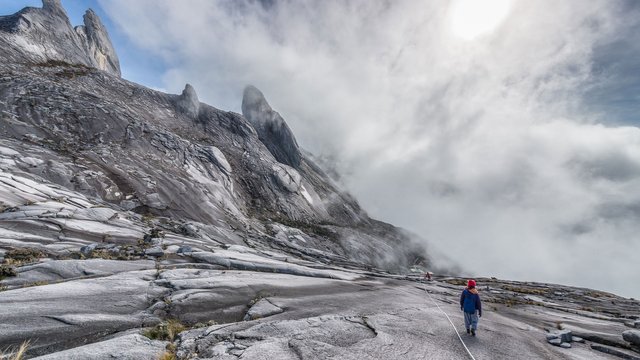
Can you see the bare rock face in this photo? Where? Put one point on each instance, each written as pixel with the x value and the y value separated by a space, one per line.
pixel 271 127
pixel 45 35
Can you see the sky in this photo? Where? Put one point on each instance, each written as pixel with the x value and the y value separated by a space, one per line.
pixel 503 132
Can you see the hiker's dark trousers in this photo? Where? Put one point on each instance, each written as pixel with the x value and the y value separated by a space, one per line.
pixel 471 320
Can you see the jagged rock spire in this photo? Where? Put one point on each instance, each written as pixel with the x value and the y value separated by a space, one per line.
pixel 99 47
pixel 42 34
pixel 271 127
pixel 188 102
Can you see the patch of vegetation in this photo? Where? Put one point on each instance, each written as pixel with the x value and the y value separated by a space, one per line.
pixel 70 71
pixel 37 283
pixel 148 218
pixel 457 282
pixel 57 63
pixel 121 254
pixel 598 294
pixel 15 354
pixel 73 73
pixel 203 325
pixel 7 271
pixel 167 330
pixel 269 229
pixel 525 290
pixel 513 301
pixel 168 355
pixel 22 256
pixel 309 228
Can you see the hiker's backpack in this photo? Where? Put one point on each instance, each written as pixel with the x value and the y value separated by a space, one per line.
pixel 469 304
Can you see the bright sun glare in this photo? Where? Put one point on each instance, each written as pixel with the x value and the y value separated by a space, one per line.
pixel 472 18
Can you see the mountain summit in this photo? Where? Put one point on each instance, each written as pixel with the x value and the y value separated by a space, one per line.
pixel 39 35
pixel 271 127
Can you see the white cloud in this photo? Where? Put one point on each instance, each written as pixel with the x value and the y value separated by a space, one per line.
pixel 482 146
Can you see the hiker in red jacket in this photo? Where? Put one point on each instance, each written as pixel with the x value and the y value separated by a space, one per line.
pixel 470 303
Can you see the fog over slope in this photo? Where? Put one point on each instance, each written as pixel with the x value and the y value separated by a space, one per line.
pixel 502 149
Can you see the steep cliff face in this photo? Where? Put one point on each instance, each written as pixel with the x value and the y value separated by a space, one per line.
pixel 167 155
pixel 38 35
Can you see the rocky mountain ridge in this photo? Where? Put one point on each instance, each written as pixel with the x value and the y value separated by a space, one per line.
pixel 38 35
pixel 136 224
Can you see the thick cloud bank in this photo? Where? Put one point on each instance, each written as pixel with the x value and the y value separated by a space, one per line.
pixel 491 146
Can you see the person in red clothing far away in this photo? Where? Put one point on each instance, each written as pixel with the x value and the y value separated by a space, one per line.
pixel 472 307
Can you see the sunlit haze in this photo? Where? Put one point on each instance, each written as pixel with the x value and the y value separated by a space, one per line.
pixel 472 18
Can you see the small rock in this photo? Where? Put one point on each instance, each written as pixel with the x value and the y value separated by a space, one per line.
pixel 185 250
pixel 565 335
pixel 87 249
pixel 189 230
pixel 565 345
pixel 155 251
pixel 559 337
pixel 577 339
pixel 632 336
pixel 172 249
pixel 556 342
pixel 261 309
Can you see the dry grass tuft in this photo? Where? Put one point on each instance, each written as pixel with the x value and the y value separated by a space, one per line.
pixel 18 354
pixel 167 355
pixel 22 256
pixel 165 331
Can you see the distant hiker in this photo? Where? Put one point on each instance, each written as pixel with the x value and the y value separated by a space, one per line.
pixel 470 304
pixel 427 276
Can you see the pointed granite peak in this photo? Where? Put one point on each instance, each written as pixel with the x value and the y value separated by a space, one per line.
pixel 272 130
pixel 100 50
pixel 188 103
pixel 38 35
pixel 254 100
pixel 52 5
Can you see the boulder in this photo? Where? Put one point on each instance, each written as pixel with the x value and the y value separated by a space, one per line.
pixel 565 335
pixel 261 309
pixel 185 250
pixel 189 230
pixel 559 337
pixel 155 251
pixel 632 336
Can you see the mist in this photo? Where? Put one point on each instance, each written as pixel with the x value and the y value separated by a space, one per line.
pixel 505 151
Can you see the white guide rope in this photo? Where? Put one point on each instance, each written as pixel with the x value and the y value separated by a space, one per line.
pixel 450 322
